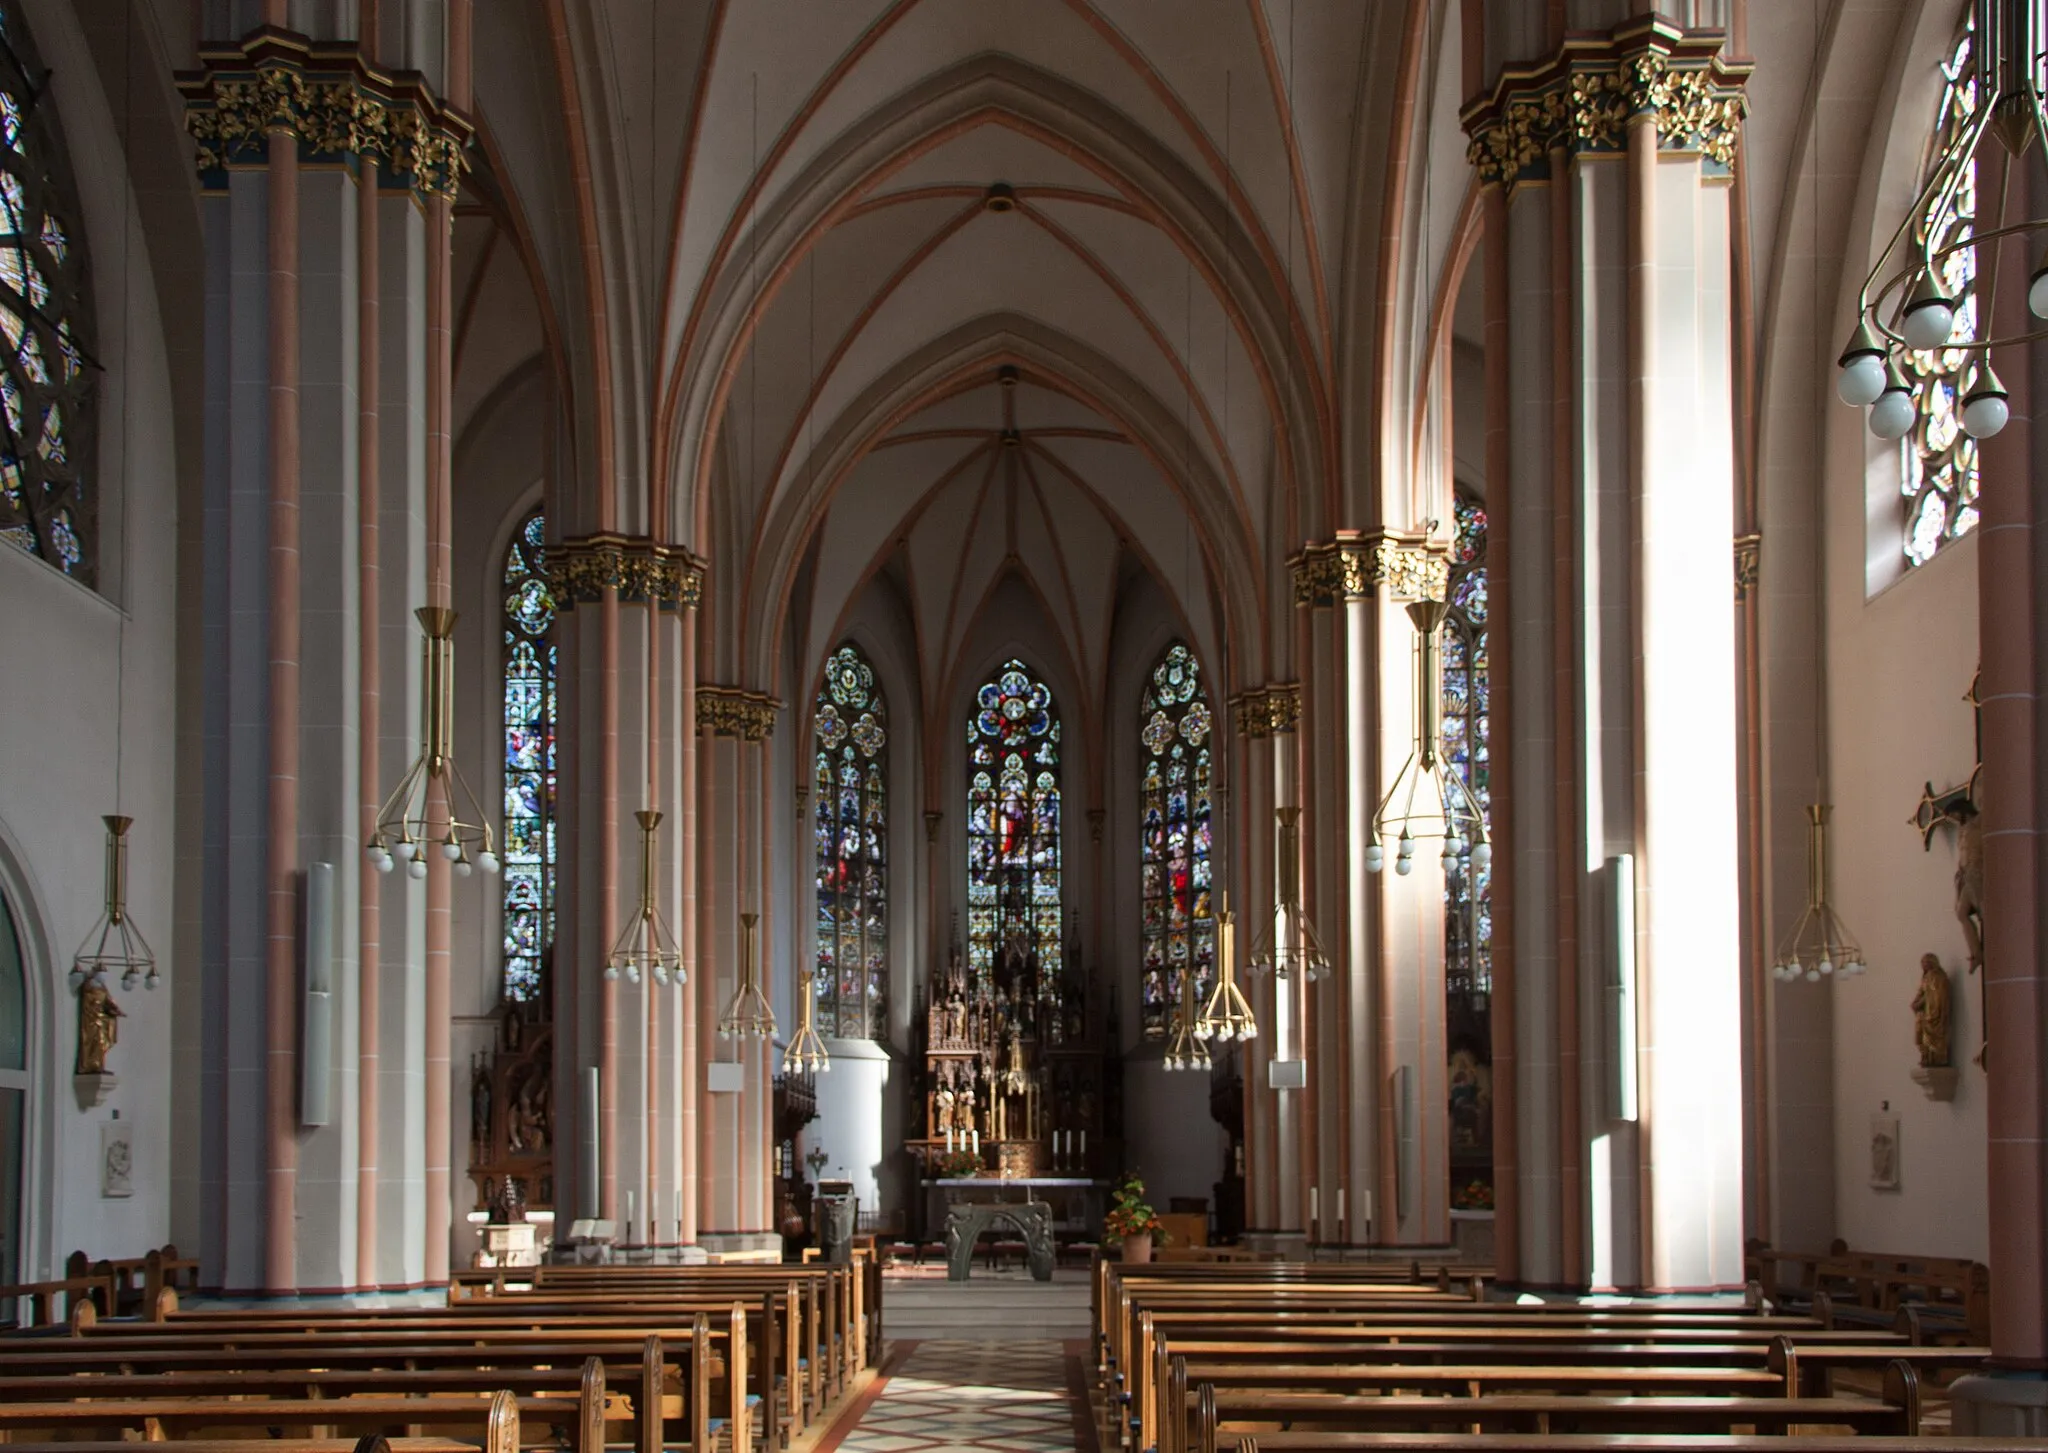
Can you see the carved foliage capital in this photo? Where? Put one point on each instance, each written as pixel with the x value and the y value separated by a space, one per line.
pixel 582 568
pixel 1582 99
pixel 1355 564
pixel 339 108
pixel 731 711
pixel 1748 558
pixel 1266 711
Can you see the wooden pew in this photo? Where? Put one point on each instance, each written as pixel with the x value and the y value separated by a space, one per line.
pixel 491 1424
pixel 50 1302
pixel 1322 1442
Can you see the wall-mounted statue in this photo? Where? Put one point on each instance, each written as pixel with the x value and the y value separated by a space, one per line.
pixel 1931 1013
pixel 99 1026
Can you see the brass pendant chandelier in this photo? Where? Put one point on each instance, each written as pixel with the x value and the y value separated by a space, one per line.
pixel 1290 942
pixel 805 1054
pixel 748 1014
pixel 1228 1014
pixel 645 944
pixel 115 945
pixel 1428 800
pixel 1184 1051
pixel 1819 943
pixel 1910 300
pixel 403 834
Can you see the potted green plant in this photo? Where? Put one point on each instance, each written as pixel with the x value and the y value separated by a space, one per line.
pixel 1131 1222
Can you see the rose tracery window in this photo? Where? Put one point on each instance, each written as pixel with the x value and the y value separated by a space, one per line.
pixel 529 847
pixel 47 505
pixel 852 784
pixel 1178 932
pixel 1937 460
pixel 1013 823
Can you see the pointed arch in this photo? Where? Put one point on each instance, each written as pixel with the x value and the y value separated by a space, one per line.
pixel 1176 929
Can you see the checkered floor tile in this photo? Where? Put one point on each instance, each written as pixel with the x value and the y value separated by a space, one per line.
pixel 1008 1397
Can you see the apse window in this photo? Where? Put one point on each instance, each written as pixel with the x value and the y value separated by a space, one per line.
pixel 47 505
pixel 1937 460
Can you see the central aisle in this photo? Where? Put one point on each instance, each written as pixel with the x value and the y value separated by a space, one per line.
pixel 1007 1397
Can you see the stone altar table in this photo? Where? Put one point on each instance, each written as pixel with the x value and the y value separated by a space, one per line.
pixel 966 1221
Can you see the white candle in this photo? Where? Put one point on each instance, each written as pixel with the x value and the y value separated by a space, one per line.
pixel 949 1140
pixel 679 1218
pixel 629 1215
pixel 976 1134
pixel 1312 1206
pixel 1084 1145
pixel 1340 1210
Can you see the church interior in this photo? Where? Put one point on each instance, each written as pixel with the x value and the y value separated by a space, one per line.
pixel 722 661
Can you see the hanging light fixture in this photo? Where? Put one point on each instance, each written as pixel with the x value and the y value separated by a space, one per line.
pixel 403 834
pixel 1228 1014
pixel 805 1054
pixel 1184 1048
pixel 1819 944
pixel 115 945
pixel 645 944
pixel 1910 299
pixel 1428 800
pixel 748 1014
pixel 1290 941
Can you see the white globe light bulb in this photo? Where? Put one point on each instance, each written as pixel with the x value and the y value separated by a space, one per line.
pixel 1404 865
pixel 451 851
pixel 1892 415
pixel 1929 322
pixel 1826 964
pixel 488 862
pixel 416 869
pixel 1375 857
pixel 374 851
pixel 1482 855
pixel 2037 294
pixel 462 868
pixel 406 849
pixel 1813 976
pixel 1985 415
pixel 1861 380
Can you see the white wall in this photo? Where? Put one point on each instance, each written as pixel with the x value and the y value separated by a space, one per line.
pixel 1899 665
pixel 60 656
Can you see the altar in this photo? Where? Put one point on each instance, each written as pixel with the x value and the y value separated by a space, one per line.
pixel 1074 1204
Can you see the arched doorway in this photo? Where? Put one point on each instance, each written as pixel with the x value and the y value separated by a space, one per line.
pixel 13 1095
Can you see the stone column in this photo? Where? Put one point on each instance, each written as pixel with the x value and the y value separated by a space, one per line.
pixel 1612 515
pixel 286 629
pixel 734 726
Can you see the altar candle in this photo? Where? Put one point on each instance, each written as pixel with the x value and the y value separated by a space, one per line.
pixel 1340 1210
pixel 1312 1207
pixel 949 1140
pixel 629 1216
pixel 679 1218
pixel 976 1147
pixel 1084 1145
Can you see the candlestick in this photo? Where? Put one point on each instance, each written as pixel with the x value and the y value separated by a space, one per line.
pixel 679 1218
pixel 1313 1208
pixel 1084 1150
pixel 1340 1213
pixel 629 1218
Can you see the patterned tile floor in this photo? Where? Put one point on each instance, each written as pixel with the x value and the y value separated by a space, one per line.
pixel 1009 1397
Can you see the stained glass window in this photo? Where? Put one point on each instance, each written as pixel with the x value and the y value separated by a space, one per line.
pixel 1013 823
pixel 852 787
pixel 1468 910
pixel 1937 460
pixel 46 505
pixel 1178 932
pixel 529 847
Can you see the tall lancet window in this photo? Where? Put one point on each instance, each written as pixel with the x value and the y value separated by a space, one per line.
pixel 1013 823
pixel 1173 803
pixel 1468 912
pixel 1937 460
pixel 47 504
pixel 852 787
pixel 529 848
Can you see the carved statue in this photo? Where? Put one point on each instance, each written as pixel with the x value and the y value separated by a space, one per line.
pixel 479 1101
pixel 99 1027
pixel 1931 1013
pixel 956 1019
pixel 944 1101
pixel 526 1120
pixel 1970 881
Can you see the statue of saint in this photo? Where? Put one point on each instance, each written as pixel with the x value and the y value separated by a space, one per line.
pixel 943 1101
pixel 99 1027
pixel 1970 882
pixel 1930 1013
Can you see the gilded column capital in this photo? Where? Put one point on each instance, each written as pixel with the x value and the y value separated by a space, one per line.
pixel 1583 98
pixel 1267 711
pixel 339 107
pixel 1748 557
pixel 1356 563
pixel 583 567
pixel 733 711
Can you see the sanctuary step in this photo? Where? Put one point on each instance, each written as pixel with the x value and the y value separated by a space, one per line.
pixel 988 1308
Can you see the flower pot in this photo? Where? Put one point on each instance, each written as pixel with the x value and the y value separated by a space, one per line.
pixel 1138 1248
